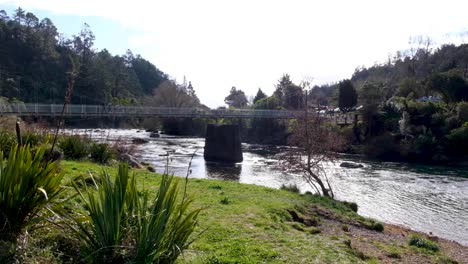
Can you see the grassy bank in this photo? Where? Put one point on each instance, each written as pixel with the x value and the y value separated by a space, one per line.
pixel 251 224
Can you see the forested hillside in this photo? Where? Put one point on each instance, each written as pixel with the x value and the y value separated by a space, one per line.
pixel 413 107
pixel 35 59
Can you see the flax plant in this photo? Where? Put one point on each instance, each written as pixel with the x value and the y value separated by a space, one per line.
pixel 123 224
pixel 28 185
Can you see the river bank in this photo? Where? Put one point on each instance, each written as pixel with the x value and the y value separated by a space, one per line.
pixel 420 197
pixel 244 223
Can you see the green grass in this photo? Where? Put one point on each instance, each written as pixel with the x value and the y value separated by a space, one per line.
pixel 421 242
pixel 243 223
pixel 239 223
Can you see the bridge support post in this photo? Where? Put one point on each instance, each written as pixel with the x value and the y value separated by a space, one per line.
pixel 223 143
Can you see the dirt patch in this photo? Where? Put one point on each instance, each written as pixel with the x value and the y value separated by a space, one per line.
pixel 389 246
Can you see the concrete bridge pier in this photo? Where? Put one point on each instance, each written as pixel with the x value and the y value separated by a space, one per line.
pixel 223 143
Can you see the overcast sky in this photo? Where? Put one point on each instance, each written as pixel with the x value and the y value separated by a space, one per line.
pixel 249 44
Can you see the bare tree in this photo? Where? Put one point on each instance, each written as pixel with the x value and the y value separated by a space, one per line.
pixel 313 143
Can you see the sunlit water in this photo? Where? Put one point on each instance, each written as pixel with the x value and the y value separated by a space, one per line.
pixel 423 198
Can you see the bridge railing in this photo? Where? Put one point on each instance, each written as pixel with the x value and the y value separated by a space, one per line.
pixel 119 110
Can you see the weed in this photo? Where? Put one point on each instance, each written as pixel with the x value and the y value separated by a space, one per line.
pixel 74 147
pixel 447 260
pixel 225 200
pixel 101 153
pixel 291 188
pixel 7 141
pixel 314 230
pixel 215 187
pixel 352 205
pixel 394 255
pixel 421 242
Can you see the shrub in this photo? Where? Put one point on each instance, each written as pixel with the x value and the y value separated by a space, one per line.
pixel 421 242
pixel 225 200
pixel 376 226
pixel 118 217
pixel 352 205
pixel 101 153
pixel 462 112
pixel 290 187
pixel 33 138
pixel 74 147
pixel 379 227
pixel 53 155
pixel 7 141
pixel 457 141
pixel 27 186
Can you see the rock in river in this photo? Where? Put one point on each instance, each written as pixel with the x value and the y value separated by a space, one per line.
pixel 154 135
pixel 131 160
pixel 351 165
pixel 139 141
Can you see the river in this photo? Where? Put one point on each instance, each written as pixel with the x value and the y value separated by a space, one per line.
pixel 423 198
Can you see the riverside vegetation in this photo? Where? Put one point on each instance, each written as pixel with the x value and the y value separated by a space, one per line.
pixel 214 221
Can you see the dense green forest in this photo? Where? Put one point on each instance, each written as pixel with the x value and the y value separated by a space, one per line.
pixel 35 59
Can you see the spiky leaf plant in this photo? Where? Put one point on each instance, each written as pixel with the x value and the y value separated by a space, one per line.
pixel 28 185
pixel 123 225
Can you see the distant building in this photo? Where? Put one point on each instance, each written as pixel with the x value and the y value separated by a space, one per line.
pixel 433 99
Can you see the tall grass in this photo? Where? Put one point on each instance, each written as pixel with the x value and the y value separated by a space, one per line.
pixel 164 226
pixel 123 225
pixel 107 215
pixel 74 147
pixel 27 186
pixel 7 141
pixel 101 153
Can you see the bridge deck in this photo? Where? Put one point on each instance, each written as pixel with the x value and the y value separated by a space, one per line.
pixel 27 109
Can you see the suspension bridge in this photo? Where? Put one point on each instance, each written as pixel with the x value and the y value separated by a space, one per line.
pixel 82 110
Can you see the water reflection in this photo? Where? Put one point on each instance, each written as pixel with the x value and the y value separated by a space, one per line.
pixel 223 171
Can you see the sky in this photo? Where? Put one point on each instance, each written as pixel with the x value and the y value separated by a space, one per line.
pixel 250 44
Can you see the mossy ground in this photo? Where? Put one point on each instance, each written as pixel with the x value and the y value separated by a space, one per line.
pixel 252 224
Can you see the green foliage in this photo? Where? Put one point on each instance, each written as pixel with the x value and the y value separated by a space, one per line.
pixel 379 227
pixel 101 153
pixel 451 85
pixel 457 141
pixel 7 141
pixel 236 98
pixel 260 95
pixel 225 200
pixel 421 242
pixel 426 145
pixel 347 96
pixel 74 147
pixel 382 146
pixel 152 230
pixel 462 112
pixel 269 103
pixel 27 186
pixel 164 225
pixel 410 88
pixel 370 95
pixel 290 187
pixel 35 46
pixel 106 209
pixel 352 205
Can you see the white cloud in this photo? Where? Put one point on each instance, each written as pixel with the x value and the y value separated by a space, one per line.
pixel 249 44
